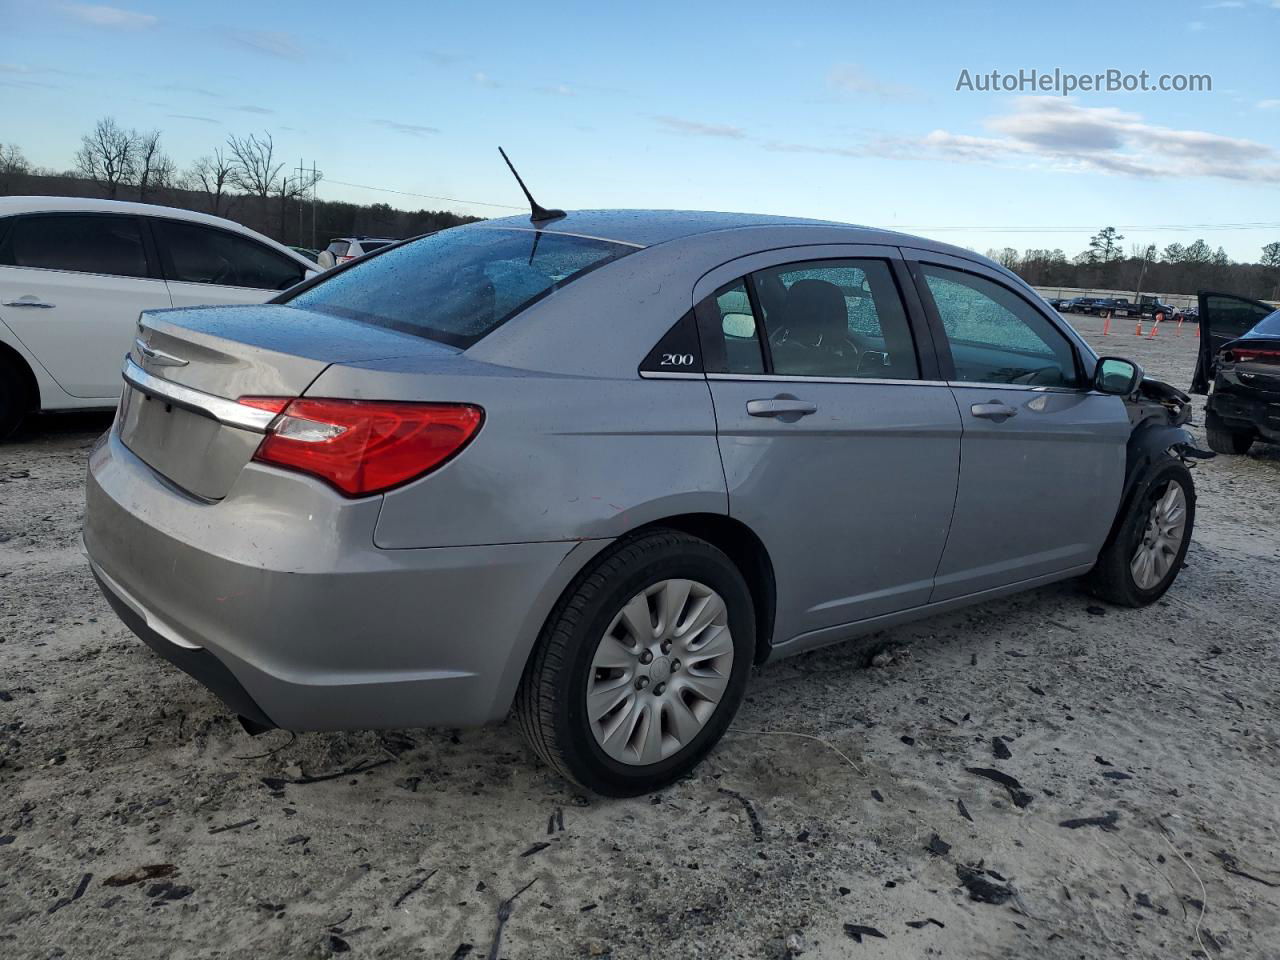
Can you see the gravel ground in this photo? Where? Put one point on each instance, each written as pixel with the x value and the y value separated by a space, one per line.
pixel 837 819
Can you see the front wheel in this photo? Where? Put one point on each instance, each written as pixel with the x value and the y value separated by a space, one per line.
pixel 1143 558
pixel 641 665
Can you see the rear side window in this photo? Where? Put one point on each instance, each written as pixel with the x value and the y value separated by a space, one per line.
pixel 338 248
pixel 370 245
pixel 995 336
pixel 840 319
pixel 200 254
pixel 458 285
pixel 102 244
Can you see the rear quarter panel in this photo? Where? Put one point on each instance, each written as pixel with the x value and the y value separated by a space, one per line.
pixel 557 458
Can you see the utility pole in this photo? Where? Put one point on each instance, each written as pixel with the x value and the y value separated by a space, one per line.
pixel 314 180
pixel 301 173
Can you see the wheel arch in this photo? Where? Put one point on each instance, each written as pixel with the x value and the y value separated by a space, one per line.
pixel 1148 443
pixel 30 385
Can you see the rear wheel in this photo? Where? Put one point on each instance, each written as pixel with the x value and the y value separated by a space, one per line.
pixel 1143 559
pixel 15 397
pixel 1225 439
pixel 641 665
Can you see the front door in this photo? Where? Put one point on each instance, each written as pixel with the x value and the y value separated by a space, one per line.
pixel 836 449
pixel 1043 455
pixel 71 289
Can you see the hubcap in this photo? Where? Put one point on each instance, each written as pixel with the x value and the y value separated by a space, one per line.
pixel 659 671
pixel 1161 539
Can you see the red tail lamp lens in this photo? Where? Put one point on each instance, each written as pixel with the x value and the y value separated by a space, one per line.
pixel 363 447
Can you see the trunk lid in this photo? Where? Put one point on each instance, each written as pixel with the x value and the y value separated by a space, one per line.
pixel 187 368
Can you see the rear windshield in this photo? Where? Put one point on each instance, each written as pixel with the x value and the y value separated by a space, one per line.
pixel 1268 326
pixel 457 285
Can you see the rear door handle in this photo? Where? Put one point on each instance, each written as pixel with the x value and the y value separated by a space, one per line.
pixel 784 408
pixel 28 302
pixel 995 410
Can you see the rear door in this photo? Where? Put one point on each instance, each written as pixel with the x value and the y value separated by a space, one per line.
pixel 1223 317
pixel 1043 456
pixel 840 445
pixel 207 265
pixel 71 289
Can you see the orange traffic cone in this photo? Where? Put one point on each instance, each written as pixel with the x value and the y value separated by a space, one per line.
pixel 1138 332
pixel 1197 330
pixel 1106 324
pixel 1177 331
pixel 1154 327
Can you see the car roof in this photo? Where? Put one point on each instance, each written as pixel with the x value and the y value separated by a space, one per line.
pixel 12 206
pixel 647 228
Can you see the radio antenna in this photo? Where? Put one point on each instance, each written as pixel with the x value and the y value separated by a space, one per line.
pixel 539 212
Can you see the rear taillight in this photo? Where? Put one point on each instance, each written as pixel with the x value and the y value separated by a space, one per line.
pixel 1251 355
pixel 363 446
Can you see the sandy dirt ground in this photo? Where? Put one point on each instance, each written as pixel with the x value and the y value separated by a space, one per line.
pixel 838 819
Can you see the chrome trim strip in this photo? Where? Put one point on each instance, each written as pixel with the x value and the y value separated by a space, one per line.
pixel 159 626
pixel 566 233
pixel 767 377
pixel 158 357
pixel 978 385
pixel 224 411
pixel 673 375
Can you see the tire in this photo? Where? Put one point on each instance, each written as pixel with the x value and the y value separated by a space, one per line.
pixel 1114 577
pixel 15 397
pixel 552 705
pixel 1224 439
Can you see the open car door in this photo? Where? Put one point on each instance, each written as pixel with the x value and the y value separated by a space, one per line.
pixel 1223 317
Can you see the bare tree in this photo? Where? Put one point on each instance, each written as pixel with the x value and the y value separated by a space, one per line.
pixel 253 165
pixel 211 175
pixel 108 155
pixel 12 163
pixel 155 169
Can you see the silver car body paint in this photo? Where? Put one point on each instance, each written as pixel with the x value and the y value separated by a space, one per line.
pixel 420 606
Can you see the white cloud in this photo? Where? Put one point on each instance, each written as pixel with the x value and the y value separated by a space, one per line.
pixel 412 129
pixel 1268 104
pixel 102 16
pixel 1060 132
pixel 852 78
pixel 271 43
pixel 700 129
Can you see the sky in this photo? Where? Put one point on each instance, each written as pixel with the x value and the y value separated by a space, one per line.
pixel 847 111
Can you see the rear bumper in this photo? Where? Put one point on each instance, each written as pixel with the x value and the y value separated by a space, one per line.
pixel 1243 410
pixel 276 599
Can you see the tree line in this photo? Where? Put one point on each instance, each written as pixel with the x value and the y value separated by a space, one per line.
pixel 245 179
pixel 1144 268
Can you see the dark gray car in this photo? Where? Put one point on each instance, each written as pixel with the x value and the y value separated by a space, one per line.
pixel 597 467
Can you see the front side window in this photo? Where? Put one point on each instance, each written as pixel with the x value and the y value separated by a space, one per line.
pixel 200 254
pixel 457 285
pixel 102 244
pixel 995 336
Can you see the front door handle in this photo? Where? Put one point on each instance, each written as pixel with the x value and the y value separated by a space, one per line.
pixel 28 301
pixel 995 410
pixel 784 408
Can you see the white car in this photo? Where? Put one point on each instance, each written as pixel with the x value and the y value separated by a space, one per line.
pixel 75 273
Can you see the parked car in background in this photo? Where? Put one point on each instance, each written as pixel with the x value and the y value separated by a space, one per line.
pixel 342 249
pixel 1239 369
pixel 598 466
pixel 312 255
pixel 75 273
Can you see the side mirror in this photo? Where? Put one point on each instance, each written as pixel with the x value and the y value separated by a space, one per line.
pixel 1116 375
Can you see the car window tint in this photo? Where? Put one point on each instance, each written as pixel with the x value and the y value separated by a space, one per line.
pixel 1231 317
pixel 199 254
pixel 836 318
pixel 339 248
pixel 101 244
pixel 368 246
pixel 995 336
pixel 457 285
